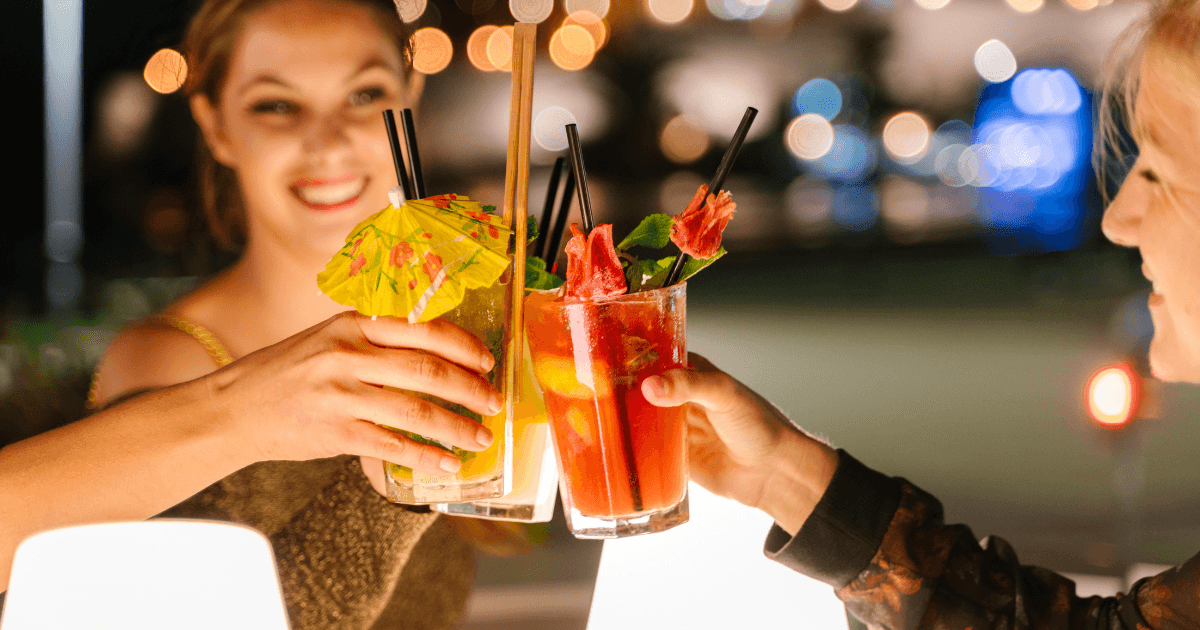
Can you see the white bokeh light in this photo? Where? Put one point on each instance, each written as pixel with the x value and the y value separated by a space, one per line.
pixel 670 11
pixel 410 10
pixel 598 7
pixel 809 136
pixel 995 62
pixel 549 128
pixel 534 11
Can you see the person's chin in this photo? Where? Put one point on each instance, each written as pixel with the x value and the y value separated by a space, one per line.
pixel 1168 365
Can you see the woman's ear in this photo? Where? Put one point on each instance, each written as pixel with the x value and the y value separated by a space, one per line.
pixel 210 126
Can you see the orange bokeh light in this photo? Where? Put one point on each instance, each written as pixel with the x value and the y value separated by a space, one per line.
pixel 165 71
pixel 477 48
pixel 432 50
pixel 592 23
pixel 1113 395
pixel 499 48
pixel 572 47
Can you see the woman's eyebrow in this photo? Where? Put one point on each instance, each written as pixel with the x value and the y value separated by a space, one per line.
pixel 269 79
pixel 373 62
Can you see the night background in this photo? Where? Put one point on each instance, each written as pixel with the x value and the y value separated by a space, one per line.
pixel 932 303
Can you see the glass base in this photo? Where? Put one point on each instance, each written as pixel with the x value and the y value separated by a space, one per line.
pixel 625 526
pixel 443 490
pixel 499 510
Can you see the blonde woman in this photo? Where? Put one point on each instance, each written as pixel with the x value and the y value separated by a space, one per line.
pixel 288 96
pixel 880 541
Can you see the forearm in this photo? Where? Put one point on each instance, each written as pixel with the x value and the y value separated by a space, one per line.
pixel 129 462
pixel 800 473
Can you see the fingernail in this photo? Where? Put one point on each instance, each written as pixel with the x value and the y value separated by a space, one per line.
pixel 488 363
pixel 484 437
pixel 495 403
pixel 450 464
pixel 656 386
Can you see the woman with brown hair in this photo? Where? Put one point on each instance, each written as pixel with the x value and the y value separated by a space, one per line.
pixel 288 96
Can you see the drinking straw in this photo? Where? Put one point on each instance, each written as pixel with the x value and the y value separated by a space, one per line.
pixel 585 197
pixel 548 208
pixel 718 180
pixel 389 121
pixel 585 210
pixel 516 202
pixel 560 222
pixel 414 157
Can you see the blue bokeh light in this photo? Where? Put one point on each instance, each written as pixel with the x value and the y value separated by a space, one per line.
pixel 818 96
pixel 851 158
pixel 1032 148
pixel 855 207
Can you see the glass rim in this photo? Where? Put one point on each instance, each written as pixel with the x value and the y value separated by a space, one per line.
pixel 627 297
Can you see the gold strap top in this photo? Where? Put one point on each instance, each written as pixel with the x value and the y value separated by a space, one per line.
pixel 216 350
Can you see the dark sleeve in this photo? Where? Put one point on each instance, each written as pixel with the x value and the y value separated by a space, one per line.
pixel 882 544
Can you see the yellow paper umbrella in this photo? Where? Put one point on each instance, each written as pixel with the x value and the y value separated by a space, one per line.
pixel 416 261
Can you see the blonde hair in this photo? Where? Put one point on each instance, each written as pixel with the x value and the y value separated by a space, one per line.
pixel 208 44
pixel 1171 31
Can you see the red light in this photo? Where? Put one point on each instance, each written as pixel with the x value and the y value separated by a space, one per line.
pixel 1113 395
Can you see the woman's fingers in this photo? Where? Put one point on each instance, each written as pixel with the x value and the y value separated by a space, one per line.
pixel 436 336
pixel 422 417
pixel 702 385
pixel 429 373
pixel 367 439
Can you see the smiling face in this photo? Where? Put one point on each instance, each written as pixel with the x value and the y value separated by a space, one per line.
pixel 1158 211
pixel 298 119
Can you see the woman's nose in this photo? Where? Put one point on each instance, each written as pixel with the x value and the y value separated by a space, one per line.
pixel 1123 218
pixel 326 141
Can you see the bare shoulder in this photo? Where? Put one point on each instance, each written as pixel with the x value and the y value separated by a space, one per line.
pixel 149 355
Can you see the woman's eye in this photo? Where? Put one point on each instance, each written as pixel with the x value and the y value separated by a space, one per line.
pixel 366 96
pixel 281 108
pixel 1149 176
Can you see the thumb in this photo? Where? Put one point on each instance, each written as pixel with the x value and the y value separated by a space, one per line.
pixel 712 390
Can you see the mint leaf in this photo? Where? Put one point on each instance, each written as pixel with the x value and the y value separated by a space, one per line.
pixel 663 267
pixel 654 231
pixel 640 275
pixel 536 276
pixel 531 232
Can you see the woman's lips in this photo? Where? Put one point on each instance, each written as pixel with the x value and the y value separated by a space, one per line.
pixel 329 194
pixel 1156 299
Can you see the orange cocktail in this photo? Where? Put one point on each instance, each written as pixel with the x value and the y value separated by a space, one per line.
pixel 623 461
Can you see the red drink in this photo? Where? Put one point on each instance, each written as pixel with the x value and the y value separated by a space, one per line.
pixel 622 459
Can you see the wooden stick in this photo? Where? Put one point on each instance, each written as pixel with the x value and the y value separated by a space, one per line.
pixel 516 195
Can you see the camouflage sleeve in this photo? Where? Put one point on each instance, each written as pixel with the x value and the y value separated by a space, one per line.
pixel 882 544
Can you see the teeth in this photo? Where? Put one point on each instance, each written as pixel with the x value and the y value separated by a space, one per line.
pixel 331 194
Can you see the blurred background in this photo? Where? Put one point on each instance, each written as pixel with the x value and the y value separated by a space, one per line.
pixel 916 269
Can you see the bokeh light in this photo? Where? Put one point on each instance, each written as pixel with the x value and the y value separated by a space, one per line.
pixel 572 47
pixel 947 166
pixel 410 10
pixel 838 5
pixel 549 128
pixel 166 71
pixel 590 22
pixel 670 11
pixel 1083 5
pixel 1112 395
pixel 1040 91
pixel 809 205
pixel 906 137
pixel 499 48
pixel 1025 6
pixel 431 50
pixel 818 96
pixel 477 48
pixel 535 11
pixel 904 205
pixel 809 137
pixel 855 207
pixel 851 158
pixel 599 8
pixel 125 109
pixel 683 140
pixel 995 62
pixel 932 5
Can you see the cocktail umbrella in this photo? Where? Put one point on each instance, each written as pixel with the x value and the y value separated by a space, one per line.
pixel 416 261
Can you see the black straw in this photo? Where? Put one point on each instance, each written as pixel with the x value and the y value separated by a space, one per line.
pixel 560 222
pixel 585 197
pixel 548 208
pixel 414 157
pixel 389 121
pixel 718 180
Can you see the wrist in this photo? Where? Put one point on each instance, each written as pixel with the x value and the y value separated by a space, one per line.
pixel 216 414
pixel 800 473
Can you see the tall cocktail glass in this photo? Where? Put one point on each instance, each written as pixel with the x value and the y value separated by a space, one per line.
pixel 534 471
pixel 623 461
pixel 485 474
